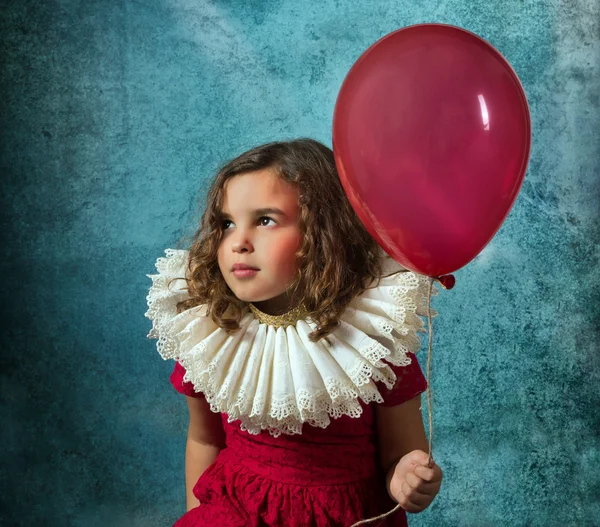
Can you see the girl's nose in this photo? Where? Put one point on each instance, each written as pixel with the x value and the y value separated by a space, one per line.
pixel 242 245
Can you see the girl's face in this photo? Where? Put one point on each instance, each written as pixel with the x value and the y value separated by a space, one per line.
pixel 261 235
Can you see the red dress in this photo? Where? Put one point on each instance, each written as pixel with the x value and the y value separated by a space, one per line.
pixel 321 478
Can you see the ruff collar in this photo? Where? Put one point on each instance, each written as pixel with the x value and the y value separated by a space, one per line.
pixel 271 376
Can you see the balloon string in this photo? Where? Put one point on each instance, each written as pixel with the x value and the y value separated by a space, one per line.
pixel 430 347
pixel 429 412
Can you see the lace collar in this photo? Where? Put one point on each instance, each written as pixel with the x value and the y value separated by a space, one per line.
pixel 271 376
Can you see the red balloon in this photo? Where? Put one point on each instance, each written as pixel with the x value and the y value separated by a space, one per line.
pixel 431 135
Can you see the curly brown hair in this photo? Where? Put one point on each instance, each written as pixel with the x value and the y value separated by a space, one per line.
pixel 338 258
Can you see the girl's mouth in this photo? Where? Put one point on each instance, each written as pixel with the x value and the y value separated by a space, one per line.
pixel 244 271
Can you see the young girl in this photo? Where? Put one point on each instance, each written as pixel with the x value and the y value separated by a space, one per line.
pixel 294 341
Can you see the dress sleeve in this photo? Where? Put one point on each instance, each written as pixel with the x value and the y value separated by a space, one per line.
pixel 410 382
pixel 184 387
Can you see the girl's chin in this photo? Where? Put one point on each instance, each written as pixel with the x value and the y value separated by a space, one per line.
pixel 257 300
pixel 257 296
pixel 264 299
pixel 253 298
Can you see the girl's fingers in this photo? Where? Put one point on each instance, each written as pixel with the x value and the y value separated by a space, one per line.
pixel 428 474
pixel 406 504
pixel 421 486
pixel 414 497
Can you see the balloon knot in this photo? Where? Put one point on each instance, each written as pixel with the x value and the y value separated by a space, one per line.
pixel 447 281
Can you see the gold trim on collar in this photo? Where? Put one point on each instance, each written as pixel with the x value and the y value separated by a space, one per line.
pixel 280 321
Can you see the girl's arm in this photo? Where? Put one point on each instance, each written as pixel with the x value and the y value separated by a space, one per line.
pixel 205 439
pixel 404 452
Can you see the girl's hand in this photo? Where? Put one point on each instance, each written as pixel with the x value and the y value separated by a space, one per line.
pixel 414 484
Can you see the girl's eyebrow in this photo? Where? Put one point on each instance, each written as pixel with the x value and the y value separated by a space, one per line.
pixel 269 210
pixel 259 212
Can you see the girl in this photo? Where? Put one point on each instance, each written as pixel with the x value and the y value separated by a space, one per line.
pixel 294 341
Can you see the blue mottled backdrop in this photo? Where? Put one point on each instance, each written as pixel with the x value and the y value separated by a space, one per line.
pixel 115 115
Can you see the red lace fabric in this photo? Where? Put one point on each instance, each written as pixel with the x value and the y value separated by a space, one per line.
pixel 322 478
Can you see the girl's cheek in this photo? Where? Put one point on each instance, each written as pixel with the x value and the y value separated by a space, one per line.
pixel 283 257
pixel 287 248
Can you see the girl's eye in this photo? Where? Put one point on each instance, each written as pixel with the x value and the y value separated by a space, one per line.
pixel 226 224
pixel 264 221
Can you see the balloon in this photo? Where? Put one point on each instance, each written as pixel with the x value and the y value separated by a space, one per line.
pixel 431 136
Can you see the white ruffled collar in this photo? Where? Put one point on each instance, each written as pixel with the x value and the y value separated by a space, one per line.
pixel 276 379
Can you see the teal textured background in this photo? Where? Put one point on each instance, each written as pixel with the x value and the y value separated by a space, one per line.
pixel 114 118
